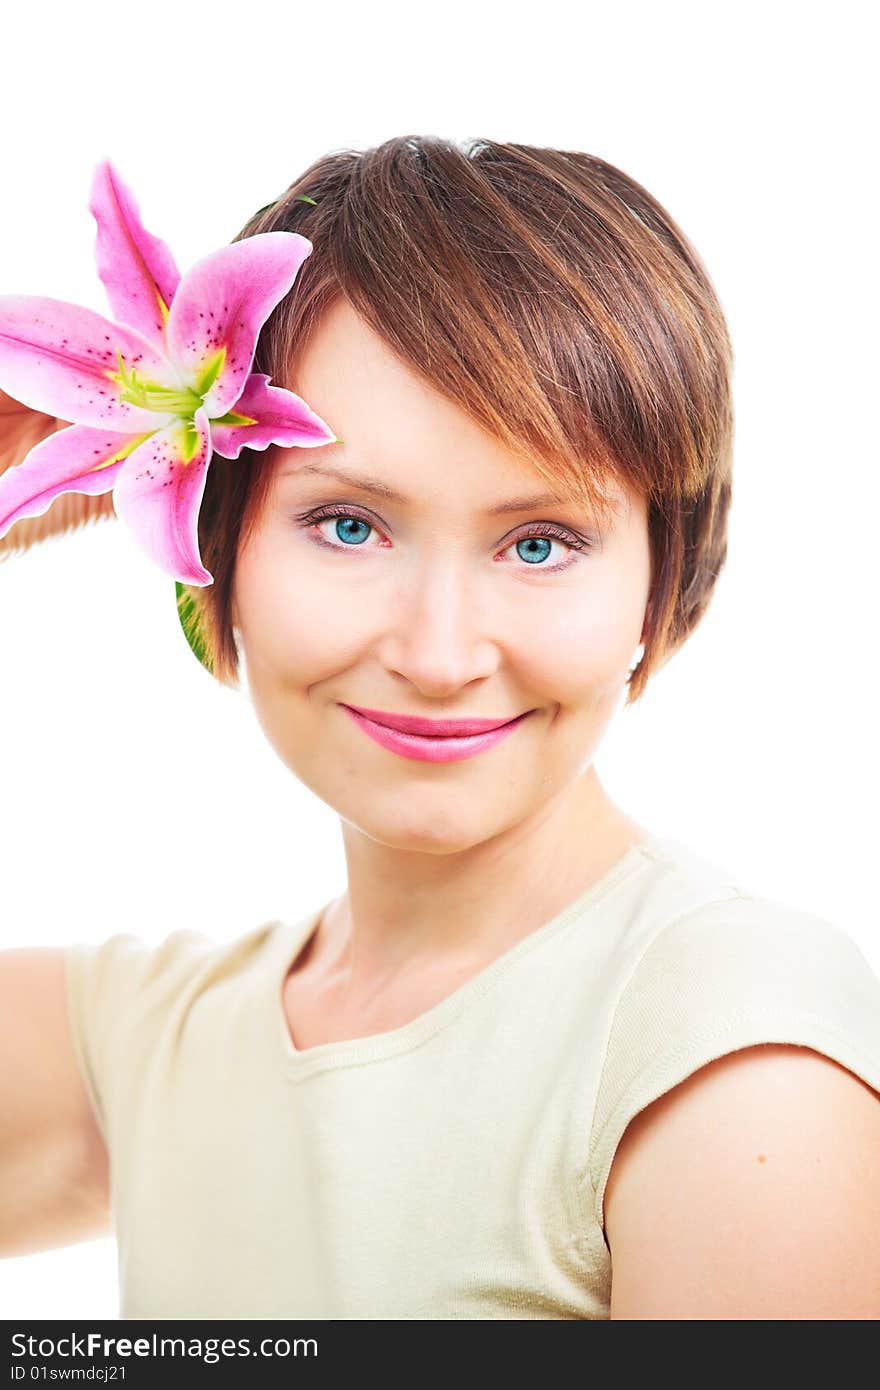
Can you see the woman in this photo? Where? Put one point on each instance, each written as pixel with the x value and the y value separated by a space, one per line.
pixel 535 1061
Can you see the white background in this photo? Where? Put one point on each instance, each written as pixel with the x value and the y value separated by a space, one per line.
pixel 137 795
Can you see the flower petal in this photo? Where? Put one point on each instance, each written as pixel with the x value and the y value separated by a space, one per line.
pixel 159 492
pixel 73 459
pixel 220 306
pixel 137 268
pixel 59 358
pixel 280 417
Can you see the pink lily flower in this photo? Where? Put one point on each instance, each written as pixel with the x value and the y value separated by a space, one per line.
pixel 151 396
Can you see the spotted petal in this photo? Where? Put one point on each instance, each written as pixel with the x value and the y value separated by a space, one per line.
pixel 158 494
pixel 220 306
pixel 278 417
pixel 138 270
pixel 74 459
pixel 59 358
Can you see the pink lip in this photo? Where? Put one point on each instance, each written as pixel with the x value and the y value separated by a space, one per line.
pixel 431 728
pixel 436 747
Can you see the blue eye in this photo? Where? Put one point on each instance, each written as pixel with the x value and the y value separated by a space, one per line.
pixel 542 543
pixel 351 530
pixel 344 526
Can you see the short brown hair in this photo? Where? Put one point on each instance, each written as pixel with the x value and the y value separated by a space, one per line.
pixel 549 296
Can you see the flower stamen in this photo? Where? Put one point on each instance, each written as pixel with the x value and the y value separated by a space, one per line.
pixel 151 395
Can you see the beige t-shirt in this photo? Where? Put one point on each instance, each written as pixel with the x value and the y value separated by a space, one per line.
pixel 454 1167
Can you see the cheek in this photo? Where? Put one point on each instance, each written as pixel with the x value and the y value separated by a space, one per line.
pixel 292 629
pixel 580 650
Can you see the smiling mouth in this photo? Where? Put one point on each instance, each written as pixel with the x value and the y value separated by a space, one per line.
pixel 433 747
pixel 420 727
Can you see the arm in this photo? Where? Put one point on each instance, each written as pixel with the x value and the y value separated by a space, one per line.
pixel 54 1177
pixel 750 1191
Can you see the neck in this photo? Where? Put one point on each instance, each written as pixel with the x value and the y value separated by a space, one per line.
pixel 406 913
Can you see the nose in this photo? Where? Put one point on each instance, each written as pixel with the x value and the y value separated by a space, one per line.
pixel 437 635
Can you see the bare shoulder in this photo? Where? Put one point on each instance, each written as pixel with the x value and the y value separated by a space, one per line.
pixel 750 1191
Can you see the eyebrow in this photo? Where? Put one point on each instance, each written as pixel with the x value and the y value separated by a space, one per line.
pixel 380 489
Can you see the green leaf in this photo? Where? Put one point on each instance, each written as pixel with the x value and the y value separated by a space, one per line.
pixel 300 197
pixel 189 621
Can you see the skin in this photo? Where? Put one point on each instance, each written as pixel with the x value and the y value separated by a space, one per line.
pixel 432 610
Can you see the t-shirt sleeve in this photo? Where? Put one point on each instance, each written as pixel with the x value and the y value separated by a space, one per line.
pixel 726 976
pixel 118 992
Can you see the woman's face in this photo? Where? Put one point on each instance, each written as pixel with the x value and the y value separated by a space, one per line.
pixel 434 602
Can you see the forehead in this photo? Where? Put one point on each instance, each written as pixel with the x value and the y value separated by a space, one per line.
pixel 410 443
pixel 348 371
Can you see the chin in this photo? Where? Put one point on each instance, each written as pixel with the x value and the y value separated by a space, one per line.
pixel 430 833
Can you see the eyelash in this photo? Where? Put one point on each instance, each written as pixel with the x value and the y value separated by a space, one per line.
pixel 540 528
